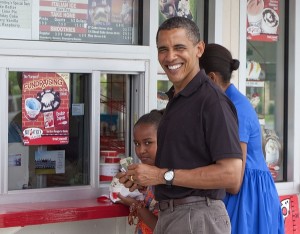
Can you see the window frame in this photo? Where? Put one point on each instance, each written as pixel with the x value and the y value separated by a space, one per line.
pixel 136 68
pixel 291 185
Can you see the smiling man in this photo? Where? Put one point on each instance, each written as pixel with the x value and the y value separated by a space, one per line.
pixel 178 51
pixel 198 149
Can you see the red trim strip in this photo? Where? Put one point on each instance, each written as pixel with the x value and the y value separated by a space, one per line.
pixel 14 215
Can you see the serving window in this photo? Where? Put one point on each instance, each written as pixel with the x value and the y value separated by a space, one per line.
pixel 53 127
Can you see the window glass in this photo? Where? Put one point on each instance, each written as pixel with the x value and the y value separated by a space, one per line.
pixel 162 87
pixel 90 21
pixel 113 123
pixel 265 77
pixel 192 9
pixel 48 130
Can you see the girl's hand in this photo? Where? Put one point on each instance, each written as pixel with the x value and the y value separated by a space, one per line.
pixel 126 200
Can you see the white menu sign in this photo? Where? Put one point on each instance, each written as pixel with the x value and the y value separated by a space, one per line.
pixel 15 19
pixel 91 21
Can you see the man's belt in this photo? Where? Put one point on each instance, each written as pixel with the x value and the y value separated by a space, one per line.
pixel 172 203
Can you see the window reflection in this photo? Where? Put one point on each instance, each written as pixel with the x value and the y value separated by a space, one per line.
pixel 265 78
pixel 113 122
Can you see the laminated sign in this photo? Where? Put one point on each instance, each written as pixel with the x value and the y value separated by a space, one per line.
pixel 45 108
pixel 290 212
pixel 262 20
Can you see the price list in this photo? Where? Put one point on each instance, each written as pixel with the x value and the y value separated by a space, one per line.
pixel 63 20
pixel 91 21
pixel 15 19
pixel 116 33
pixel 94 21
pixel 110 21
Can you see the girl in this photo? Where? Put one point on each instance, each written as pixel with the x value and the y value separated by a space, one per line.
pixel 144 213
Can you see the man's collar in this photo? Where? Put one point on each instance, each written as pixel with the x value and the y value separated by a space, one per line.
pixel 191 87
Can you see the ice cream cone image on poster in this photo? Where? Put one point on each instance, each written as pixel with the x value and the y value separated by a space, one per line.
pixel 270 21
pixel 254 12
pixel 32 108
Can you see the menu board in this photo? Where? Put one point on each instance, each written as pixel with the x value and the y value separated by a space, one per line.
pixel 95 21
pixel 63 21
pixel 110 21
pixel 15 19
pixel 92 21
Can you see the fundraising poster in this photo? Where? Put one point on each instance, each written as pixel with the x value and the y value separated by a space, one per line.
pixel 45 108
pixel 262 20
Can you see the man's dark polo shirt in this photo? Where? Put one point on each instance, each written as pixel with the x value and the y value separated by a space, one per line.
pixel 198 128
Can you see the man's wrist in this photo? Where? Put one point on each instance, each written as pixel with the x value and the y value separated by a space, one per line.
pixel 161 178
pixel 169 177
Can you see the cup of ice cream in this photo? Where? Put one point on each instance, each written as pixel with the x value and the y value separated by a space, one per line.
pixel 254 12
pixel 32 108
pixel 114 189
pixel 270 21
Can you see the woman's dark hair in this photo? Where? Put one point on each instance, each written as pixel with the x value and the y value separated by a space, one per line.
pixel 191 28
pixel 217 58
pixel 153 118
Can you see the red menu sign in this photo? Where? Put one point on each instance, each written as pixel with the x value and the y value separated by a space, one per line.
pixel 95 21
pixel 290 212
pixel 63 20
pixel 45 108
pixel 262 20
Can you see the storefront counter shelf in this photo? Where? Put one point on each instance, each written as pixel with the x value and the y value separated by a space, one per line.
pixel 24 214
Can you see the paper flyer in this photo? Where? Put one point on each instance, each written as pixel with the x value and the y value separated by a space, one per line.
pixel 45 108
pixel 262 20
pixel 49 162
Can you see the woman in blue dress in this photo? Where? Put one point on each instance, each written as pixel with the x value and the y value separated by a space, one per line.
pixel 256 208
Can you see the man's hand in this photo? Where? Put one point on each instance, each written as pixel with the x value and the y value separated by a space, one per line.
pixel 127 181
pixel 145 175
